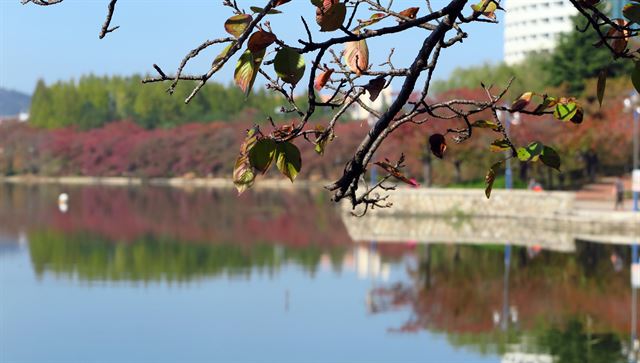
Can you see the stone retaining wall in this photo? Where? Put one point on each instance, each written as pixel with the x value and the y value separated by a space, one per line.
pixel 433 201
pixel 546 219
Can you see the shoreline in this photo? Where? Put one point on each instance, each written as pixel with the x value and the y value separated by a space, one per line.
pixel 222 183
pixel 562 204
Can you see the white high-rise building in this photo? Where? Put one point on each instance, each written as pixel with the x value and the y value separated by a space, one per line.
pixel 534 26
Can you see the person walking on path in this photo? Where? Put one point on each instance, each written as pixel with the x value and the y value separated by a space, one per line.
pixel 619 194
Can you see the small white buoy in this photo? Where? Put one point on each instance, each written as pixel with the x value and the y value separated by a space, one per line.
pixel 63 198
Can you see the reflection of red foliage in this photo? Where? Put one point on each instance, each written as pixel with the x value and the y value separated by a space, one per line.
pixel 214 216
pixel 465 302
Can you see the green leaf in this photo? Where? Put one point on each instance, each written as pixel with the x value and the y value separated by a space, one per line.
pixel 489 6
pixel 632 12
pixel 565 111
pixel 602 84
pixel 322 139
pixel 486 124
pixel 262 154
pixel 257 9
pixel 237 24
pixel 289 65
pixel 247 70
pixel 635 77
pixel 499 145
pixel 531 152
pixel 547 102
pixel 550 158
pixel 224 53
pixel 288 160
pixel 372 20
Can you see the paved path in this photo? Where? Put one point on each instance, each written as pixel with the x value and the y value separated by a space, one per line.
pixel 600 195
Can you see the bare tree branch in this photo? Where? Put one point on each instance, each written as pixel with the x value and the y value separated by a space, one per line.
pixel 105 27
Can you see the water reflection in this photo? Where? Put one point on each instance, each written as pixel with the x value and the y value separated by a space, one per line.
pixel 500 303
pixel 503 299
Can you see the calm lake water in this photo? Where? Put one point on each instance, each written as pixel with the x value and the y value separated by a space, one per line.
pixel 162 275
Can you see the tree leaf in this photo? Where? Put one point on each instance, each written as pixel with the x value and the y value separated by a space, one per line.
pixel 247 69
pixel 223 54
pixel 262 154
pixel 486 8
pixel 243 175
pixel 488 180
pixel 531 152
pixel 374 87
pixel 237 24
pixel 499 145
pixel 256 9
pixel 260 40
pixel 547 102
pixel 438 145
pixel 372 20
pixel 578 117
pixel 289 65
pixel 322 139
pixel 288 160
pixel 332 17
pixel 602 84
pixel 565 111
pixel 356 55
pixel 410 12
pixel 522 101
pixel 322 79
pixel 618 40
pixel 396 173
pixel 550 158
pixel 486 124
pixel 635 77
pixel 632 12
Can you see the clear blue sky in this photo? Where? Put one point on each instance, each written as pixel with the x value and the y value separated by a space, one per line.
pixel 61 42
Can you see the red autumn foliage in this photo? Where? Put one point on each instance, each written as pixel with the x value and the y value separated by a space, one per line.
pixel 126 149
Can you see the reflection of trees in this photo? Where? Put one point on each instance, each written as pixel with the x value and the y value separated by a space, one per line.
pixel 456 290
pixel 151 233
pixel 151 259
pixel 127 214
pixel 575 344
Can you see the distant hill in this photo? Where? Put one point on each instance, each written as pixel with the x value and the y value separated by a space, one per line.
pixel 13 102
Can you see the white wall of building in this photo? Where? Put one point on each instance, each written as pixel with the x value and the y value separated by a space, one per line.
pixel 534 26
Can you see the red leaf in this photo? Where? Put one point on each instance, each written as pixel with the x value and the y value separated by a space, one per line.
pixel 322 79
pixel 396 173
pixel 410 12
pixel 260 40
pixel 438 145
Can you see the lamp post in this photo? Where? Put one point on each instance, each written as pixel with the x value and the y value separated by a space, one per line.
pixel 508 174
pixel 507 120
pixel 631 104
